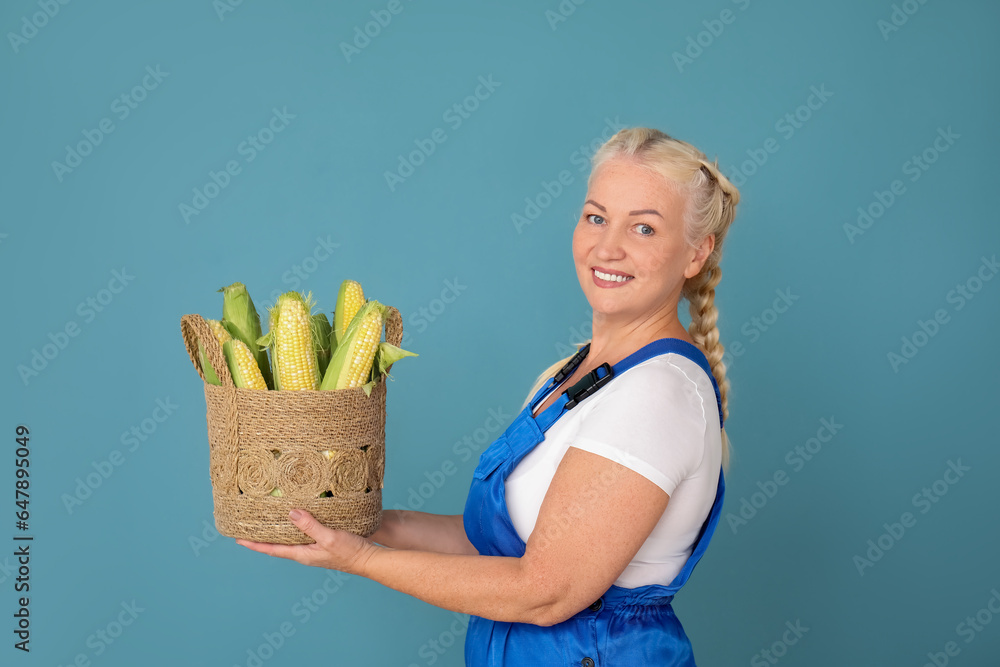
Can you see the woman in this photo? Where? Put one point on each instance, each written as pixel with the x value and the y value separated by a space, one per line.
pixel 591 510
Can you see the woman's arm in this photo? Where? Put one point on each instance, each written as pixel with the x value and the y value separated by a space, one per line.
pixel 405 529
pixel 595 516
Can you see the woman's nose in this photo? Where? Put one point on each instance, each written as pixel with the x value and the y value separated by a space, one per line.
pixel 610 244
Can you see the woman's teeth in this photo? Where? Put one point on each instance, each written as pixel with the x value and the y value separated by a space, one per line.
pixel 610 277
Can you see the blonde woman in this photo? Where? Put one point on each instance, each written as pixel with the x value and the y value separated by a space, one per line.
pixel 589 513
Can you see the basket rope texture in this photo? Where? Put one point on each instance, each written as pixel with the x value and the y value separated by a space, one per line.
pixel 304 443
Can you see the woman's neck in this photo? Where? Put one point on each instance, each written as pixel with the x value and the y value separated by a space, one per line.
pixel 614 340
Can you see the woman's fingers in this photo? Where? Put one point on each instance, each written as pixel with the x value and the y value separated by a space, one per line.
pixel 334 549
pixel 308 524
pixel 291 551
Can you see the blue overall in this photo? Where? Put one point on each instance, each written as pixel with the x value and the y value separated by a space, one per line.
pixel 625 627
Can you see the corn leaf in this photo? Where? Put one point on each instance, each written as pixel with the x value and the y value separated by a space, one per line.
pixel 388 354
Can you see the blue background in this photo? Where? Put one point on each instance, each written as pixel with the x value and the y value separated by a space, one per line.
pixel 144 534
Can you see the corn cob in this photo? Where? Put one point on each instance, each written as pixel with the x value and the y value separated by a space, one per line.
pixel 222 336
pixel 241 320
pixel 322 333
pixel 351 364
pixel 242 365
pixel 291 341
pixel 220 331
pixel 350 298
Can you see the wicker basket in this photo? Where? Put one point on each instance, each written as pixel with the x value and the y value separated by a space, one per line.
pixel 302 442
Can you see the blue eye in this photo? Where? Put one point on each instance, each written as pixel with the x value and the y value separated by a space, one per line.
pixel 649 228
pixel 594 215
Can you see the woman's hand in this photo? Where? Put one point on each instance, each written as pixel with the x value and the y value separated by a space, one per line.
pixel 334 549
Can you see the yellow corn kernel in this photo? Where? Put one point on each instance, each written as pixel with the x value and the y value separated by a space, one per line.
pixel 291 341
pixel 221 334
pixel 350 298
pixel 351 363
pixel 364 350
pixel 242 365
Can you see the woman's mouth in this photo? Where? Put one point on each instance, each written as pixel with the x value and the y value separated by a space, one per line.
pixel 602 279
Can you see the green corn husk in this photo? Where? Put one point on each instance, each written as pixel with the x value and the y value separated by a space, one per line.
pixel 322 335
pixel 388 354
pixel 340 363
pixel 206 366
pixel 385 354
pixel 241 319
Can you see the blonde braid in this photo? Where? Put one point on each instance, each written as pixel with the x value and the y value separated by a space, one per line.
pixel 704 317
pixel 730 195
pixel 700 291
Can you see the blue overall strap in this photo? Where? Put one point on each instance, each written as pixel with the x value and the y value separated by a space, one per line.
pixel 686 349
pixel 645 353
pixel 655 348
pixel 704 537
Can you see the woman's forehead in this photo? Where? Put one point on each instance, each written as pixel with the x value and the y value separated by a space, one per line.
pixel 632 190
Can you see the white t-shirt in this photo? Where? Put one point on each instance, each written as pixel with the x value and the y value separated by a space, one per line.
pixel 659 418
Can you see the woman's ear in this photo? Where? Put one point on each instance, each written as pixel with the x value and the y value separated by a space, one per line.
pixel 698 261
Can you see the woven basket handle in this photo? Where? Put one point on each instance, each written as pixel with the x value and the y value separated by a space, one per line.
pixel 194 328
pixel 393 327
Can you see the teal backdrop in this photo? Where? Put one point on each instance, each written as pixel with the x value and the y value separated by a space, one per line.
pixel 437 152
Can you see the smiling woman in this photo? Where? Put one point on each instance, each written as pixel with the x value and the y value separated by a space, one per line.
pixel 591 510
pixel 690 205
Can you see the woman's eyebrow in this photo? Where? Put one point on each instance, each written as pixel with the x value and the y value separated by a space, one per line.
pixel 640 212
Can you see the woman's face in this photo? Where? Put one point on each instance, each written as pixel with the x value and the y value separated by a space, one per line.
pixel 631 226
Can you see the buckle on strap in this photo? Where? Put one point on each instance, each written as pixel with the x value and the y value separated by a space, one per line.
pixel 588 385
pixel 571 365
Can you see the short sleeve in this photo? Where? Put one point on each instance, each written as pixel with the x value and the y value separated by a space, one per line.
pixel 651 420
